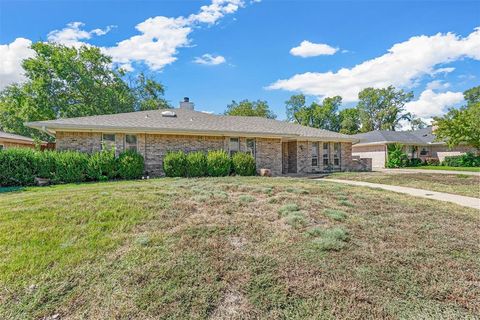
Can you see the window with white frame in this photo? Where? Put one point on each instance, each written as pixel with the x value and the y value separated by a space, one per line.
pixel 251 147
pixel 336 154
pixel 326 153
pixel 131 142
pixel 234 146
pixel 108 141
pixel 314 154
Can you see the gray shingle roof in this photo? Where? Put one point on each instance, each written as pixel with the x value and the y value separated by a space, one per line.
pixel 189 121
pixel 417 137
pixel 11 136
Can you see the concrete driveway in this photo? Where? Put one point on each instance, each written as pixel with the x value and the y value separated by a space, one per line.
pixel 441 196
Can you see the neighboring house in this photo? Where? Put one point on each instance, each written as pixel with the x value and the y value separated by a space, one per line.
pixel 279 146
pixel 417 144
pixel 10 140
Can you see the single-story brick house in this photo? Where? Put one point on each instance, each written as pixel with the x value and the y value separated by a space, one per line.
pixel 279 146
pixel 419 144
pixel 10 140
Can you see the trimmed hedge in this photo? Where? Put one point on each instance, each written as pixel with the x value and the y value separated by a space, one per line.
pixel 243 164
pixel 130 165
pixel 175 163
pixel 218 163
pixel 20 166
pixel 464 160
pixel 196 164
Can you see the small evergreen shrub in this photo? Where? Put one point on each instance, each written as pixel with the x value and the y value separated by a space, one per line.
pixel 464 160
pixel 17 167
pixel 101 165
pixel 46 163
pixel 218 163
pixel 71 166
pixel 243 164
pixel 175 164
pixel 196 164
pixel 130 165
pixel 397 158
pixel 415 162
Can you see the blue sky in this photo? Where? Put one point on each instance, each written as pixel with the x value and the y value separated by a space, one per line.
pixel 251 44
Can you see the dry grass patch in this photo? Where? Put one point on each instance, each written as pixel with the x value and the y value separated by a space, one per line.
pixel 202 249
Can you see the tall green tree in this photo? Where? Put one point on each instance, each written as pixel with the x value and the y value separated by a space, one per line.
pixel 461 126
pixel 248 108
pixel 349 121
pixel 148 93
pixel 382 109
pixel 417 123
pixel 67 82
pixel 294 106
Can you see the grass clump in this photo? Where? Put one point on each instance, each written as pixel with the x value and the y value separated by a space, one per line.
pixel 332 239
pixel 346 203
pixel 246 198
pixel 288 208
pixel 337 215
pixel 296 219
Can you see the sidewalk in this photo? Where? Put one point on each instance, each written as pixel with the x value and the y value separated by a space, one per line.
pixel 460 200
pixel 470 173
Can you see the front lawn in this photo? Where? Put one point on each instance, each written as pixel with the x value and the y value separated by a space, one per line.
pixel 466 185
pixel 473 169
pixel 235 248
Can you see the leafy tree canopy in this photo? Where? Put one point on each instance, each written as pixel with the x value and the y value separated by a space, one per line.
pixel 349 121
pixel 462 125
pixel 417 123
pixel 382 109
pixel 72 82
pixel 248 108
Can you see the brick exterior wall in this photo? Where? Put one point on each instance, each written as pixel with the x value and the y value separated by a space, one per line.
pixel 153 147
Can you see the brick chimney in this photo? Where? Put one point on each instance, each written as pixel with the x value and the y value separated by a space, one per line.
pixel 186 104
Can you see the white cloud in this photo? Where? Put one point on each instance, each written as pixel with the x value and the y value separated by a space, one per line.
pixel 401 66
pixel 310 49
pixel 437 85
pixel 156 45
pixel 209 60
pixel 432 104
pixel 11 61
pixel 160 37
pixel 72 34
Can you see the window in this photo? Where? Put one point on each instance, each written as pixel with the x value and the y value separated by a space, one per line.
pixel 326 153
pixel 131 142
pixel 251 147
pixel 424 152
pixel 314 154
pixel 234 146
pixel 336 154
pixel 1 147
pixel 108 141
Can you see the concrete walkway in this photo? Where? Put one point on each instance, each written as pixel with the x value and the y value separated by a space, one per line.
pixel 457 199
pixel 470 173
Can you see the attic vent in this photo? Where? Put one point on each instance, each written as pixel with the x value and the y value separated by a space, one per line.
pixel 168 114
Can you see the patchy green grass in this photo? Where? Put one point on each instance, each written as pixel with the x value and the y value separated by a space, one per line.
pixel 461 184
pixel 192 248
pixel 472 169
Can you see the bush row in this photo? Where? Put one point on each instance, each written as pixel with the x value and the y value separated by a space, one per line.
pixel 214 164
pixel 20 167
pixel 464 160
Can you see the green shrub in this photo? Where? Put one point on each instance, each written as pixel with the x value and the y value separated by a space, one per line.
pixel 17 167
pixel 331 239
pixel 46 163
pixel 415 162
pixel 397 158
pixel 175 164
pixel 243 164
pixel 296 219
pixel 71 166
pixel 196 164
pixel 101 165
pixel 465 160
pixel 130 165
pixel 218 163
pixel 286 209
